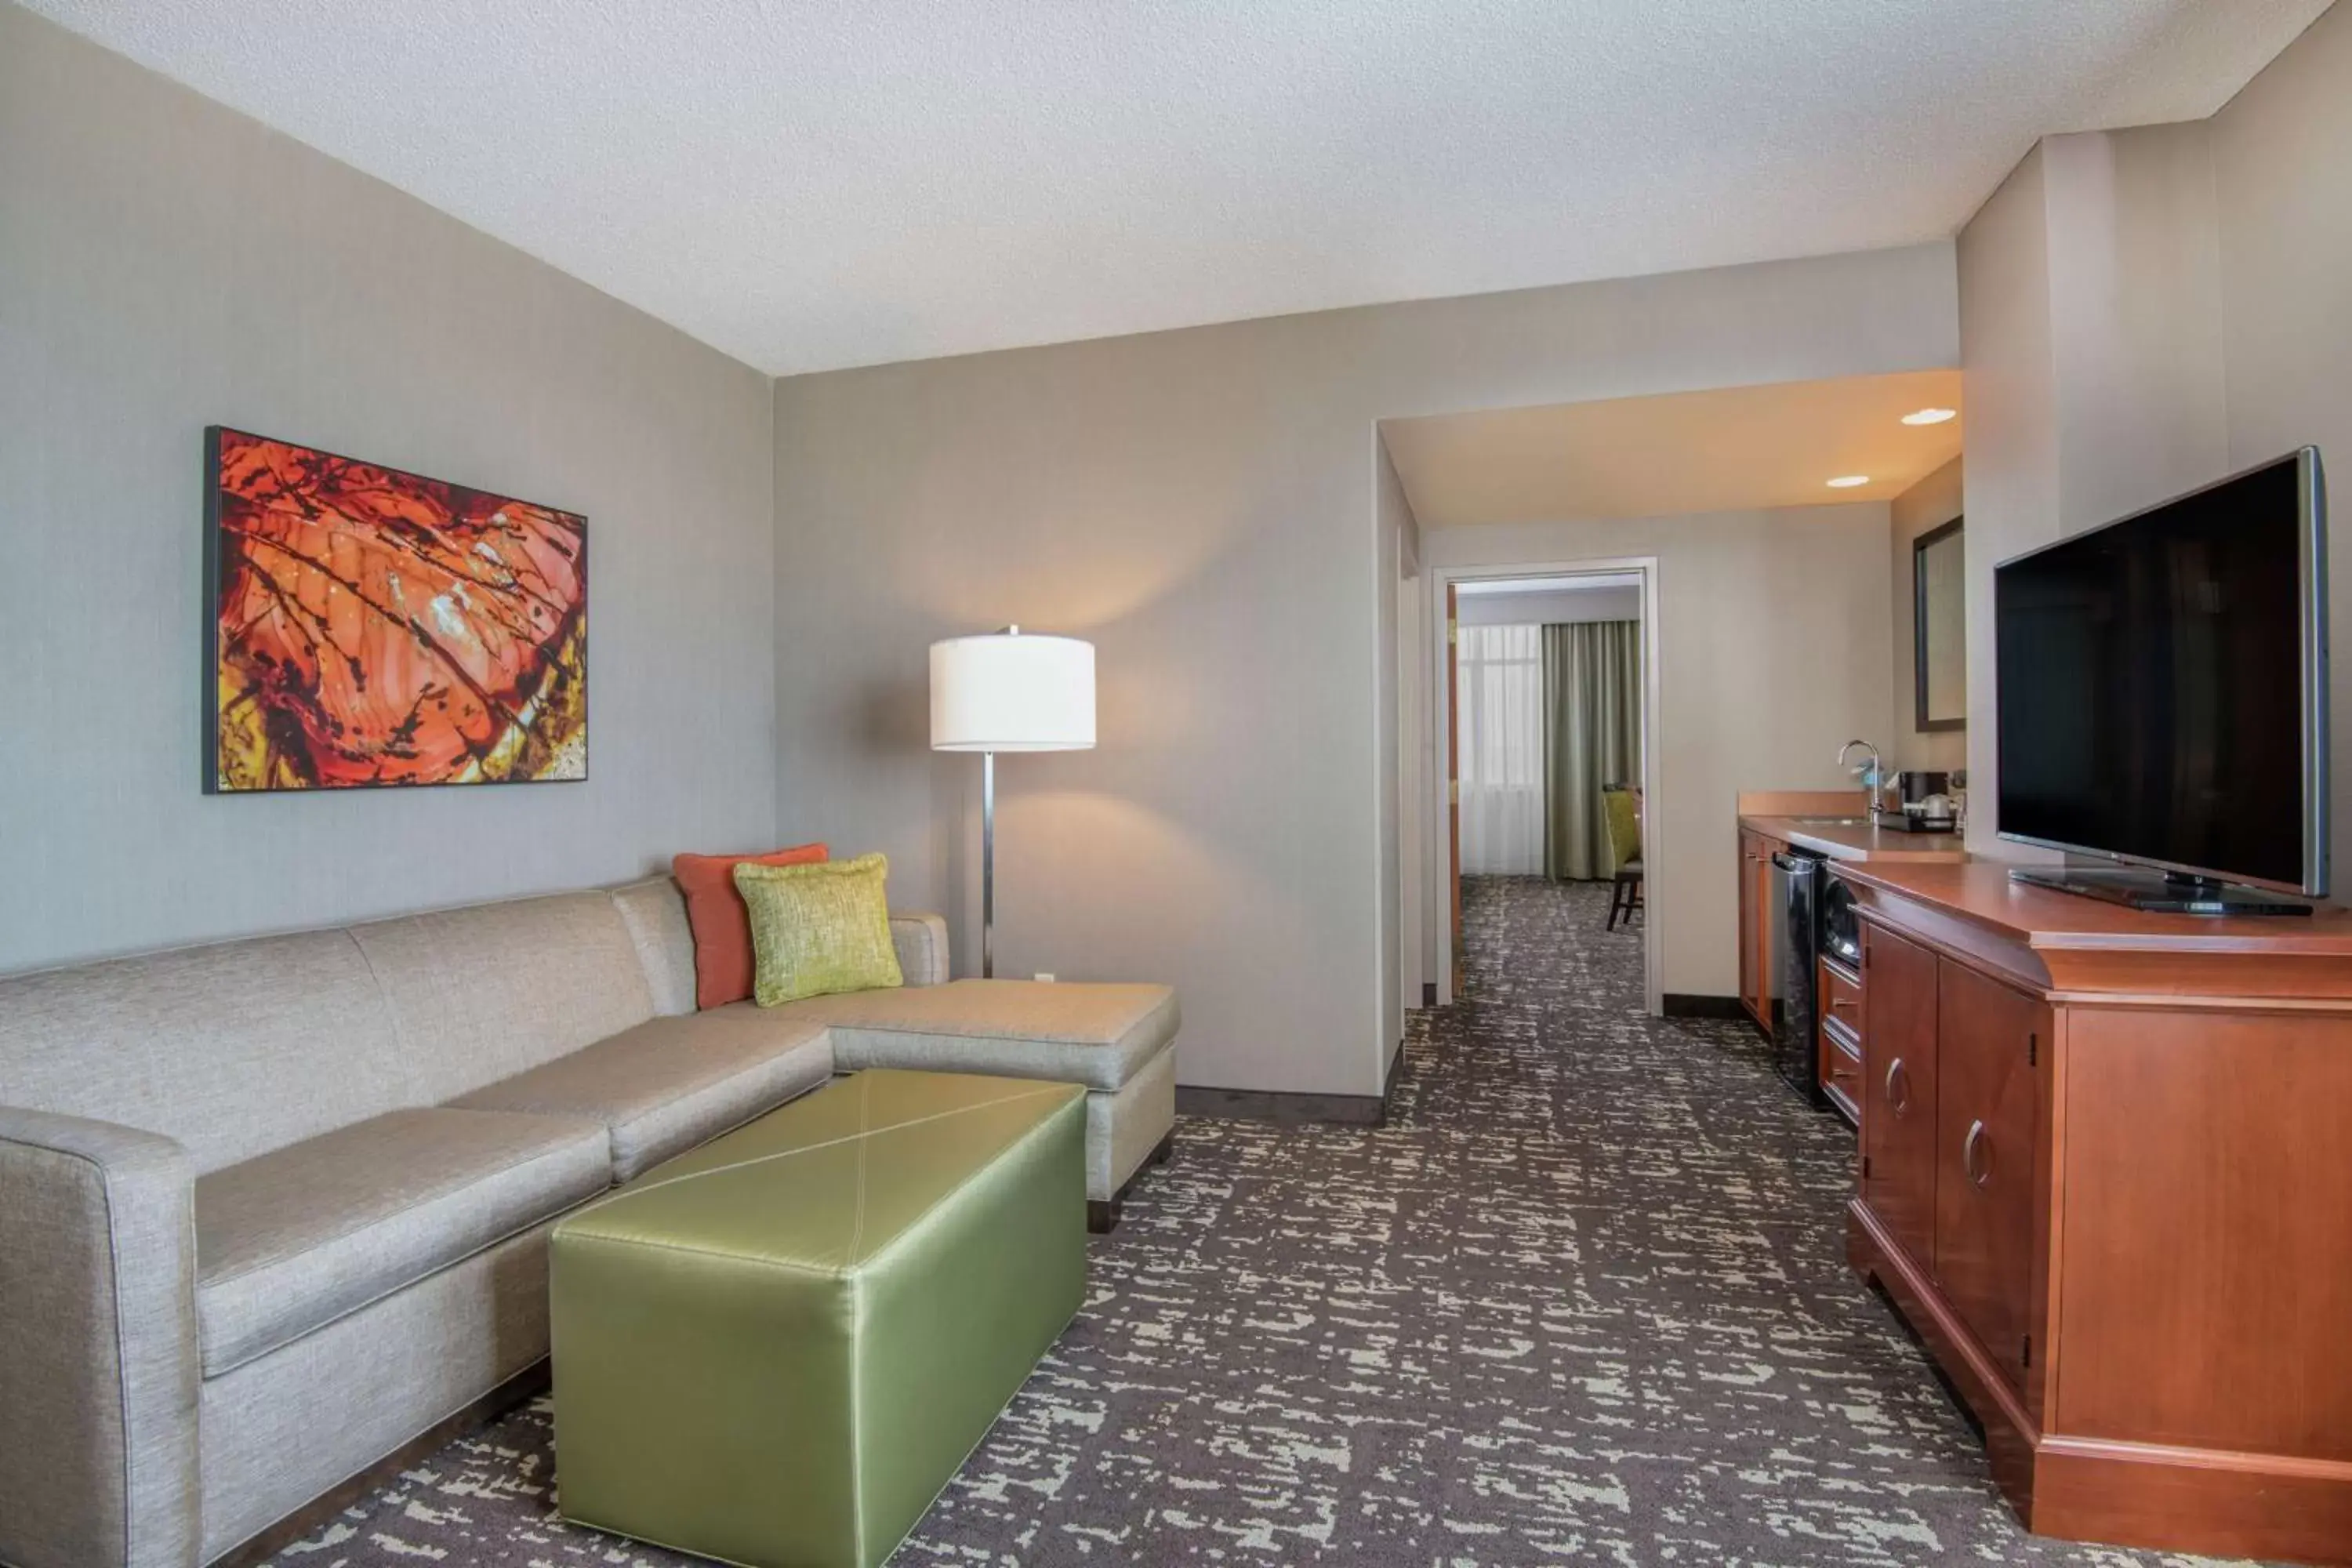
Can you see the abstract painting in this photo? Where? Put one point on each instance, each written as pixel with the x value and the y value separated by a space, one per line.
pixel 366 626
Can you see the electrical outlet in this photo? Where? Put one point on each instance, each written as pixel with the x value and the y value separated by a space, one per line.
pixel 1046 978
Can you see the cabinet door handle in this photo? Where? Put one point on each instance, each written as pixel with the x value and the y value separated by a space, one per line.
pixel 1899 1099
pixel 1838 1002
pixel 1975 1155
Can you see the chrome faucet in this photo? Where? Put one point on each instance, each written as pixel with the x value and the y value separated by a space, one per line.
pixel 1873 774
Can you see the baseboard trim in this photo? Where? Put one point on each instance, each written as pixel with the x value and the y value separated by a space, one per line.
pixel 1687 1005
pixel 1295 1109
pixel 522 1387
pixel 1287 1109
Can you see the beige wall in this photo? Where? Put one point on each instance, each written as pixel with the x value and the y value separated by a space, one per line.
pixel 1416 955
pixel 2282 172
pixel 1392 525
pixel 1929 504
pixel 2090 337
pixel 1201 504
pixel 2009 463
pixel 1774 647
pixel 2135 282
pixel 2143 312
pixel 166 263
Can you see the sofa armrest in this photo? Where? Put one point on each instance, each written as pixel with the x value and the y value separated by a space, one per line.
pixel 922 944
pixel 98 1366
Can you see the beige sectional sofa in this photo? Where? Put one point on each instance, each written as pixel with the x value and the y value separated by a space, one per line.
pixel 271 1209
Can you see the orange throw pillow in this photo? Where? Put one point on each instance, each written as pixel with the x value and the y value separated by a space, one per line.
pixel 722 926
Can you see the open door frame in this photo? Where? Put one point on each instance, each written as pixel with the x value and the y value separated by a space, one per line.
pixel 1453 944
pixel 1443 585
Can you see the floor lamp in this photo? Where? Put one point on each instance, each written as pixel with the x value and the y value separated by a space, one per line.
pixel 1008 692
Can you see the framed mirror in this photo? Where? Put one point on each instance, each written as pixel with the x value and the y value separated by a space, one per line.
pixel 1939 659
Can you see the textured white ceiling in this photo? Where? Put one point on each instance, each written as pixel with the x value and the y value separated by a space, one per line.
pixel 846 182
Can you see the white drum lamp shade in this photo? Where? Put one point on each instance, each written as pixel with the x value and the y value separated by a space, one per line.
pixel 1009 692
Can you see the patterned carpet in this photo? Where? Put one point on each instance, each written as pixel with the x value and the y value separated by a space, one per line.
pixel 1582 1300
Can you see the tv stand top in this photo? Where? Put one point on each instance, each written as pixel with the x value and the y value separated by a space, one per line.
pixel 2060 942
pixel 2164 892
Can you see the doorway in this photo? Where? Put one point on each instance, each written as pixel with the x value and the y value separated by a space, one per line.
pixel 1545 681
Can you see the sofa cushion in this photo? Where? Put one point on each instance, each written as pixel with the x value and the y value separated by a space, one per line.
pixel 819 928
pixel 232 1051
pixel 486 992
pixel 922 944
pixel 722 925
pixel 1099 1035
pixel 294 1240
pixel 654 912
pixel 671 1083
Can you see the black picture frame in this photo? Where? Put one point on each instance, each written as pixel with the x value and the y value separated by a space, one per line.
pixel 213 563
pixel 1919 548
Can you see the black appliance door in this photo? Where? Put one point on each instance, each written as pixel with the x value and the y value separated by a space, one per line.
pixel 1798 879
pixel 1841 927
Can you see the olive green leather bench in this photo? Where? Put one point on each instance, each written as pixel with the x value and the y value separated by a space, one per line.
pixel 1119 1040
pixel 777 1349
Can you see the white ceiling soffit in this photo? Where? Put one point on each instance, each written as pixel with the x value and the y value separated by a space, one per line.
pixel 1725 451
pixel 847 182
pixel 1583 582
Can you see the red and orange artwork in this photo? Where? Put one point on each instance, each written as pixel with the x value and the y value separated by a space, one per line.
pixel 369 626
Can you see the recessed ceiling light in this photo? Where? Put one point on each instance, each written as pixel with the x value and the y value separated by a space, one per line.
pixel 1847 481
pixel 1931 416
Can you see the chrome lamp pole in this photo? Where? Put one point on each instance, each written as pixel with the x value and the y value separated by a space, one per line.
pixel 1008 692
pixel 988 864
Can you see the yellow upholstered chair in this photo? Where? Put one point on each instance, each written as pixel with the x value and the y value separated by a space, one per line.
pixel 1623 807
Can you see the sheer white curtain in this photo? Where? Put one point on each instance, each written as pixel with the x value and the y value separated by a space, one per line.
pixel 1498 705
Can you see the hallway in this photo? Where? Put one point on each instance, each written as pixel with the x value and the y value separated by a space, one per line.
pixel 1583 1299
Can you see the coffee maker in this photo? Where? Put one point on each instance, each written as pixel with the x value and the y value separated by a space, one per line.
pixel 1926 803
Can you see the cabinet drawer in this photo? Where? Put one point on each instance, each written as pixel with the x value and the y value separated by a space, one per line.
pixel 1840 1069
pixel 1841 998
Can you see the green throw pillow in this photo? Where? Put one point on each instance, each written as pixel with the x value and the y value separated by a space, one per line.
pixel 818 929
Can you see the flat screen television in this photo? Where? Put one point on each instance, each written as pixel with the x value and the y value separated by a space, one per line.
pixel 2163 696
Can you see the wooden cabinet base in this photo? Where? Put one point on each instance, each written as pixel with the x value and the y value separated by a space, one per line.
pixel 2103 1176
pixel 2205 1500
pixel 2010 1436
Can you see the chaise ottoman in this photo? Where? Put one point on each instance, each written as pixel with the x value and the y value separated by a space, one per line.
pixel 1118 1040
pixel 776 1349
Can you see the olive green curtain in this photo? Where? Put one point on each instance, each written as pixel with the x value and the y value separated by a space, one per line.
pixel 1592 736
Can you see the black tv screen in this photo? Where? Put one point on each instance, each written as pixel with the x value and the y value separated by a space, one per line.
pixel 2162 685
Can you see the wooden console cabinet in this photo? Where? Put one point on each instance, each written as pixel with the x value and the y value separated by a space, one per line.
pixel 1819 822
pixel 1757 918
pixel 2107 1174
